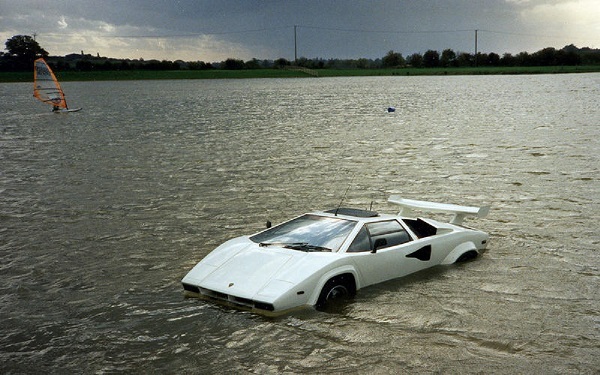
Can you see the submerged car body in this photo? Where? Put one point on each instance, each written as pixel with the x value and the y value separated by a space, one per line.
pixel 320 256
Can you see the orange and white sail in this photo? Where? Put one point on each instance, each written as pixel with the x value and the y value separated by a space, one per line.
pixel 45 86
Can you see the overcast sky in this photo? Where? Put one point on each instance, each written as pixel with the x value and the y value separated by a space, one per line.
pixel 214 30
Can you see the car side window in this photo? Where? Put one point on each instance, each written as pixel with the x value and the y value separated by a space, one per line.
pixel 361 242
pixel 387 234
pixel 381 234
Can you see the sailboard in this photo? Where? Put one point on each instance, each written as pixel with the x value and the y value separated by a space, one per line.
pixel 47 89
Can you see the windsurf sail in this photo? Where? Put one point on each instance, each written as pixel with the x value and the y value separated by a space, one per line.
pixel 46 87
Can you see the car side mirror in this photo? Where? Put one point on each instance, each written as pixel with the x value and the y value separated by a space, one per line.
pixel 380 242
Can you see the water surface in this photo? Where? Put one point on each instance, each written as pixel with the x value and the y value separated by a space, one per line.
pixel 102 212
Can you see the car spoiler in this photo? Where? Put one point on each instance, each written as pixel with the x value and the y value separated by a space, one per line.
pixel 459 212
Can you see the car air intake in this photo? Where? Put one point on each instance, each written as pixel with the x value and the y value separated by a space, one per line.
pixel 238 301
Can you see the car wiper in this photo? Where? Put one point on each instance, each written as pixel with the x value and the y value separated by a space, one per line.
pixel 307 247
pixel 281 244
pixel 303 246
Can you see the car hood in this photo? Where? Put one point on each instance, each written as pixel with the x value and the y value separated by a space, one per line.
pixel 244 269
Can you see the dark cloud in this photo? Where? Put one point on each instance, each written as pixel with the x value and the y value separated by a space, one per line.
pixel 210 30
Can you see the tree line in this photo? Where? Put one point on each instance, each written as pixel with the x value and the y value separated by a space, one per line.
pixel 567 56
pixel 23 49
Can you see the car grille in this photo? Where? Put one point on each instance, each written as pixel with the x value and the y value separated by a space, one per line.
pixel 238 301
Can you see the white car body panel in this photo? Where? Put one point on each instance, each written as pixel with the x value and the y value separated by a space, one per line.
pixel 272 278
pixel 383 265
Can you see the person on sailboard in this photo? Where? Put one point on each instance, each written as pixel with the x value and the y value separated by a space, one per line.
pixel 55 108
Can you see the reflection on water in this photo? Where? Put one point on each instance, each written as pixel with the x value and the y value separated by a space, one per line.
pixel 102 212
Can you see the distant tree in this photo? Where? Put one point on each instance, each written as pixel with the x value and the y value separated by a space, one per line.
pixel 310 63
pixel 448 58
pixel 393 59
pixel 24 46
pixel 585 55
pixel 567 58
pixel 107 65
pixel 493 59
pixel 523 59
pixel 233 64
pixel 415 60
pixel 480 59
pixel 151 65
pixel 362 63
pixel 60 65
pixel 252 64
pixel 544 57
pixel 22 50
pixel 591 58
pixel 332 64
pixel 280 63
pixel 199 65
pixel 431 59
pixel 465 59
pixel 125 65
pixel 345 63
pixel 304 62
pixel 508 60
pixel 84 65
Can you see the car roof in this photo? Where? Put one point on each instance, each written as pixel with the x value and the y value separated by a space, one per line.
pixel 356 214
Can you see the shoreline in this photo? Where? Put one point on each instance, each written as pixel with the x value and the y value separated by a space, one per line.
pixel 123 75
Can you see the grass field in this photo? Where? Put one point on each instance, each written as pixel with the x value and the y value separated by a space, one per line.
pixel 283 73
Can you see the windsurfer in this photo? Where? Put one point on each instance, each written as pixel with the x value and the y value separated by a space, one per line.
pixel 47 89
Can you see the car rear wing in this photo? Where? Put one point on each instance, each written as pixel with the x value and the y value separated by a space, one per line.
pixel 459 212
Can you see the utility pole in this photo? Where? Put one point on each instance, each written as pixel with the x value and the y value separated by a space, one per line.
pixel 295 46
pixel 475 47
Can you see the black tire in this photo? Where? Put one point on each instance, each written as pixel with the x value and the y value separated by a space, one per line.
pixel 337 289
pixel 469 255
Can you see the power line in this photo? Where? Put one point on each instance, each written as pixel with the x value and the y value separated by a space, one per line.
pixel 366 31
pixel 523 34
pixel 295 27
pixel 188 35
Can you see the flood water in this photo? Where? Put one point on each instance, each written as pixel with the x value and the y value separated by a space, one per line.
pixel 102 212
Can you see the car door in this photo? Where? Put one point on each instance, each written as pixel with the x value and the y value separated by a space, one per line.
pixel 384 250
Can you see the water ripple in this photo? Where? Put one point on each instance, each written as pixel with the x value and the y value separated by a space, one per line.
pixel 103 212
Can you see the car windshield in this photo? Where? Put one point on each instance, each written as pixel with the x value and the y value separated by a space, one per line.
pixel 308 233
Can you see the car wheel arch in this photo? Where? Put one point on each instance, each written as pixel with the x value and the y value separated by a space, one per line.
pixel 461 251
pixel 469 255
pixel 348 274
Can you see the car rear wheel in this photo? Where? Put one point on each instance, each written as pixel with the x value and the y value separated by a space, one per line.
pixel 336 290
pixel 469 255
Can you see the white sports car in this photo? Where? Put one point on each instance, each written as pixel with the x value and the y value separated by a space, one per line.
pixel 319 257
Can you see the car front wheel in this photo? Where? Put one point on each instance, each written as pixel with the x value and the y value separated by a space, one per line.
pixel 336 290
